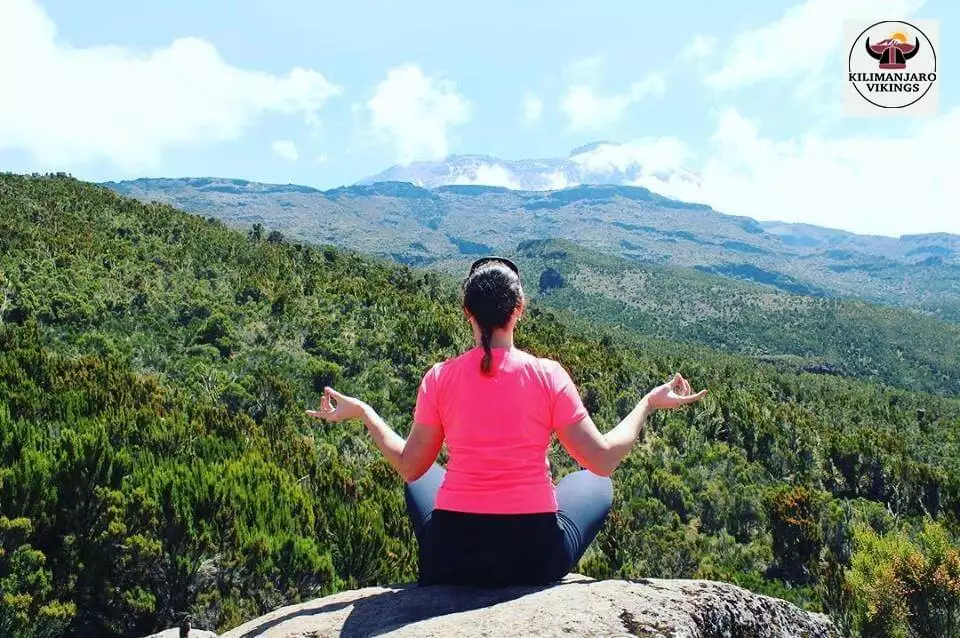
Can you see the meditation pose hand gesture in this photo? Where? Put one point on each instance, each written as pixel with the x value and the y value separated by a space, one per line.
pixel 674 393
pixel 338 407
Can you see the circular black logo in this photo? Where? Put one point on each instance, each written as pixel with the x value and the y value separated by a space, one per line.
pixel 892 64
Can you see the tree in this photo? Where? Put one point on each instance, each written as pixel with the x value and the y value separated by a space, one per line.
pixel 550 279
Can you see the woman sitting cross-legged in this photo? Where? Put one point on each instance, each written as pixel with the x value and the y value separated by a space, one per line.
pixel 493 517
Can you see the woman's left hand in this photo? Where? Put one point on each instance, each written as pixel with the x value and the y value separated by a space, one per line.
pixel 673 394
pixel 337 407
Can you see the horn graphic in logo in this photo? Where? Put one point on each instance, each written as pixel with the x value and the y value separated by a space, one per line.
pixel 893 52
pixel 907 72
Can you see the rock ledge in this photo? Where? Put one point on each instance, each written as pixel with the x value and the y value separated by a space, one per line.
pixel 578 606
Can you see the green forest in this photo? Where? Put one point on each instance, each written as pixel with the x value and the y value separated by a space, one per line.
pixel 156 461
pixel 842 336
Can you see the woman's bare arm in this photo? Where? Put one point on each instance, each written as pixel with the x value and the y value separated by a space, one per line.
pixel 411 457
pixel 602 453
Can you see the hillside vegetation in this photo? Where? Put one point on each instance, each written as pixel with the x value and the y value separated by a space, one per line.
pixel 155 460
pixel 818 334
pixel 419 226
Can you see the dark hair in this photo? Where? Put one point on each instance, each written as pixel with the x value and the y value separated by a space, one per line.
pixel 491 293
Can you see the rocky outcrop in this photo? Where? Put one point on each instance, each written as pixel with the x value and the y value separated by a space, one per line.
pixel 175 633
pixel 578 606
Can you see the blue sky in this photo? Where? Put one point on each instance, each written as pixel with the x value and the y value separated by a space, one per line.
pixel 326 94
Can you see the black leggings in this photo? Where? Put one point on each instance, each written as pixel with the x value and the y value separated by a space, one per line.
pixel 506 549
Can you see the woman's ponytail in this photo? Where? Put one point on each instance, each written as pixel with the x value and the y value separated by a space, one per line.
pixel 486 336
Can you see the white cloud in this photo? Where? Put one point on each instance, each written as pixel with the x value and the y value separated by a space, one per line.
pixel 287 150
pixel 805 41
pixel 679 185
pixel 557 181
pixel 868 184
pixel 699 48
pixel 653 154
pixel 532 108
pixel 414 112
pixel 67 105
pixel 490 175
pixel 888 185
pixel 656 163
pixel 586 109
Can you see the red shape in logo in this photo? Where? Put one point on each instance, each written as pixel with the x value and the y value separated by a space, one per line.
pixel 892 53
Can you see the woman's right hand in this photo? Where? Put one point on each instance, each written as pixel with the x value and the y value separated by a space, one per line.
pixel 674 393
pixel 336 407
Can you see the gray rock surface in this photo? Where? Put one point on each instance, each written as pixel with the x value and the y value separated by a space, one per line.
pixel 175 633
pixel 577 607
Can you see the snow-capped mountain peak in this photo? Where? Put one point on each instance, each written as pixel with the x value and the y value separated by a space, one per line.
pixel 654 165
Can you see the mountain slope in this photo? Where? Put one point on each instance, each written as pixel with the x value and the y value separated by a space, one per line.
pixel 420 227
pixel 828 335
pixel 156 460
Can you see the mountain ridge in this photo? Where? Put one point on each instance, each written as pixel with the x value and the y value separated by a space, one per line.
pixel 590 164
pixel 421 226
pixel 256 186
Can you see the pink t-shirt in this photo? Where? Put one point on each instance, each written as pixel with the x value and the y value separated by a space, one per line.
pixel 498 429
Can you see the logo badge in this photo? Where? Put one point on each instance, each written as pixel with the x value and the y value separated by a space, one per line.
pixel 892 68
